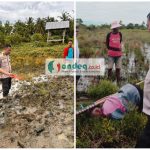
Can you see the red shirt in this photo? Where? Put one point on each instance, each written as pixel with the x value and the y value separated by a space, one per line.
pixel 114 44
pixel 66 52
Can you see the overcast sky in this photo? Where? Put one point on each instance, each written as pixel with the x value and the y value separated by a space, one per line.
pixel 106 12
pixel 12 11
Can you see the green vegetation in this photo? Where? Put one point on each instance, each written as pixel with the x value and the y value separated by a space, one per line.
pixel 32 29
pixel 93 41
pixel 28 59
pixel 29 46
pixel 104 88
pixel 92 44
pixel 106 133
pixel 141 26
pixel 103 132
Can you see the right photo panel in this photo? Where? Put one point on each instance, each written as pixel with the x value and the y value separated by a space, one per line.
pixel 113 105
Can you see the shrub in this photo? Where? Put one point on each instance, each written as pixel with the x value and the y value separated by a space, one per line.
pixel 2 39
pixel 13 39
pixel 40 44
pixel 132 124
pixel 37 37
pixel 87 52
pixel 103 89
pixel 8 40
pixel 106 133
pixel 26 39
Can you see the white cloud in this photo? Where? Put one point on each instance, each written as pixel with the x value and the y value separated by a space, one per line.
pixel 13 11
pixel 106 12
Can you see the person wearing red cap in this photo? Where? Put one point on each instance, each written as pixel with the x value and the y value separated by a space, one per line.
pixel 113 43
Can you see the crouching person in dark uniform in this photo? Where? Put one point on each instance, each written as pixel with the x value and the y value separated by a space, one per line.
pixel 5 70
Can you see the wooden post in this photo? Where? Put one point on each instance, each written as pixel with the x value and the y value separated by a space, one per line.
pixel 64 34
pixel 48 36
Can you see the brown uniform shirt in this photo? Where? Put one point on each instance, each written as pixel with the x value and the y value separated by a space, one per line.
pixel 5 64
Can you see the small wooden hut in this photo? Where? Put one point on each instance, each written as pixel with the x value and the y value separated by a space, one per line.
pixel 63 25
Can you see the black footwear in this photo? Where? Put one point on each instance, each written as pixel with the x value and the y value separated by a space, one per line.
pixel 110 74
pixel 118 76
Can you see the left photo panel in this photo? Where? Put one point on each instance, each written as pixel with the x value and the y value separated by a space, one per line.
pixel 36 102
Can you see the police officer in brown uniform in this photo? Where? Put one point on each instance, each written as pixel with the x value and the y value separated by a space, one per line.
pixel 5 70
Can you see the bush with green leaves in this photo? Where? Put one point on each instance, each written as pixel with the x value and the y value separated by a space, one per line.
pixel 107 133
pixel 2 39
pixel 26 39
pixel 13 39
pixel 104 88
pixel 37 37
pixel 8 40
pixel 40 44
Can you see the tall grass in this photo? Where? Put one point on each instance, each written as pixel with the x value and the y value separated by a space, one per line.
pixel 29 59
pixel 92 43
pixel 96 38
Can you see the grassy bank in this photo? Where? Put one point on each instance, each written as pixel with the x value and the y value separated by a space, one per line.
pixel 28 59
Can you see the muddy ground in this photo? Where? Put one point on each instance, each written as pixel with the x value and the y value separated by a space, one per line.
pixel 38 115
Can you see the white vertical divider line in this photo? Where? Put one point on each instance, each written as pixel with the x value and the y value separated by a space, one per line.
pixel 74 74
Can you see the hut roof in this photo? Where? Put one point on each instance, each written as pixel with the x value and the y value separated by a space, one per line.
pixel 57 25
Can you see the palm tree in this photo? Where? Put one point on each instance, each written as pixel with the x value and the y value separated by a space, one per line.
pixel 8 27
pixel 40 26
pixel 30 20
pixel 1 27
pixel 30 25
pixel 50 19
pixel 65 16
pixel 20 28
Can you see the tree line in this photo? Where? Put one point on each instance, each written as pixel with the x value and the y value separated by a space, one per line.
pixel 31 29
pixel 128 26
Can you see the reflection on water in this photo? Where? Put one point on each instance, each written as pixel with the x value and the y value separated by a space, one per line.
pixel 135 64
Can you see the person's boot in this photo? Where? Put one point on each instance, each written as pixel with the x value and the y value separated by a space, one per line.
pixel 110 74
pixel 118 76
